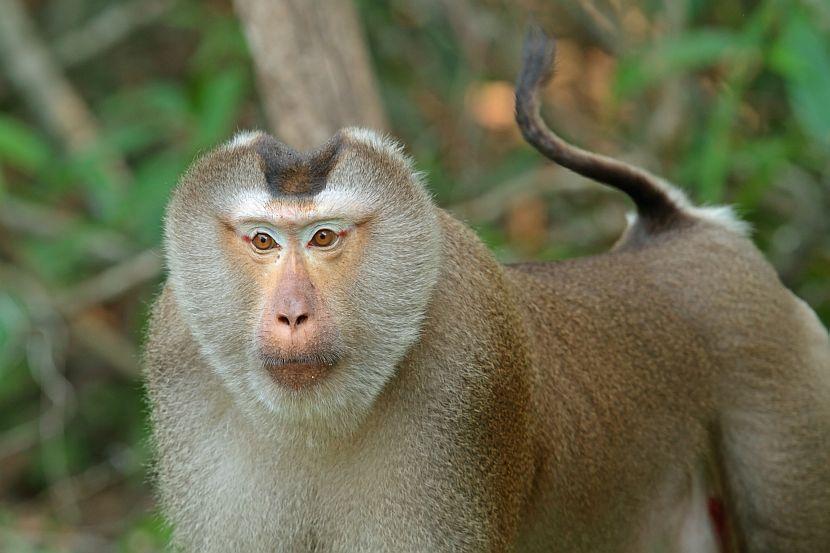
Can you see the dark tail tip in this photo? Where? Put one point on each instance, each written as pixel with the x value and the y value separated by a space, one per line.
pixel 538 55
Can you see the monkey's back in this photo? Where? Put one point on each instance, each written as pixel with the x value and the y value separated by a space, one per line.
pixel 634 352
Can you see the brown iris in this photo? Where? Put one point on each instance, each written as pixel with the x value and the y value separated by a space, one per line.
pixel 323 238
pixel 262 241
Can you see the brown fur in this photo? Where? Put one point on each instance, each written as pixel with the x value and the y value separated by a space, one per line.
pixel 544 406
pixel 644 374
pixel 583 406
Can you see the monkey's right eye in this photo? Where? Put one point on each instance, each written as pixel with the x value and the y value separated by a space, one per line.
pixel 263 241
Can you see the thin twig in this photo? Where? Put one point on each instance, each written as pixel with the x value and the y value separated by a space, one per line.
pixel 18 439
pixel 108 28
pixel 120 464
pixel 37 220
pixel 85 328
pixel 46 352
pixel 112 283
pixel 98 337
pixel 604 32
pixel 549 179
pixel 31 218
pixel 669 112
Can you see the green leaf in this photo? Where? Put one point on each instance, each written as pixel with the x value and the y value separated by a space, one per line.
pixel 21 146
pixel 159 107
pixel 715 154
pixel 219 100
pixel 223 45
pixel 14 321
pixel 758 163
pixel 142 212
pixel 128 139
pixel 102 192
pixel 55 260
pixel 802 56
pixel 151 533
pixel 691 50
pixel 168 98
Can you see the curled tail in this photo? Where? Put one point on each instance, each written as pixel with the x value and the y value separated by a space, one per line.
pixel 659 205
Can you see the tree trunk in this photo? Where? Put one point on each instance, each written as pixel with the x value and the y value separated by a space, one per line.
pixel 313 68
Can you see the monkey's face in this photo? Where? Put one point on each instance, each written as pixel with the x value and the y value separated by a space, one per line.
pixel 303 277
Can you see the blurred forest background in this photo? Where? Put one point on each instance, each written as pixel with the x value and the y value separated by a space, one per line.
pixel 104 103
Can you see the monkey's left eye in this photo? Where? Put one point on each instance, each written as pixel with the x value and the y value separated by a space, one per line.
pixel 323 238
pixel 263 241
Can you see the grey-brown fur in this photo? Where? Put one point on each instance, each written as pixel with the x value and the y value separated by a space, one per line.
pixel 585 406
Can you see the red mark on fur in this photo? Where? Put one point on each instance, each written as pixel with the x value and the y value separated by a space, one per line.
pixel 246 238
pixel 718 515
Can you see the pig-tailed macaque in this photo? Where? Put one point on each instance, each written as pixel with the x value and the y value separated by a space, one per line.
pixel 338 365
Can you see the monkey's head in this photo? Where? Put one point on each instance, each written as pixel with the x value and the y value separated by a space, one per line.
pixel 303 277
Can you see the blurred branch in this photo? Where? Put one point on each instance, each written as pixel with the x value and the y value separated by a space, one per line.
pixel 33 70
pixel 85 328
pixel 73 305
pixel 603 25
pixel 491 205
pixel 112 282
pixel 37 220
pixel 91 331
pixel 98 337
pixel 313 67
pixel 107 28
pixel 32 218
pixel 18 439
pixel 46 354
pixel 671 108
pixel 462 18
pixel 602 30
pixel 822 10
pixel 121 463
pixel 799 199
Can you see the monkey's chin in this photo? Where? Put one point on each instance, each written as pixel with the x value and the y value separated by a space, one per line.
pixel 299 373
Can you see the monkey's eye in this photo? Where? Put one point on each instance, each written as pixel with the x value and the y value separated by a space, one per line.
pixel 323 238
pixel 263 241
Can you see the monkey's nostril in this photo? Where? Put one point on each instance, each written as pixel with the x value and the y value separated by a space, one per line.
pixel 291 320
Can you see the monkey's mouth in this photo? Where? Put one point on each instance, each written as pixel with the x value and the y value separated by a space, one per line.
pixel 299 372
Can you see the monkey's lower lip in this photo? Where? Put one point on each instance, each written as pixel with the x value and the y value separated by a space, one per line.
pixel 298 374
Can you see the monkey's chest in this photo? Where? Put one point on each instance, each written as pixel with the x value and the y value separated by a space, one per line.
pixel 306 505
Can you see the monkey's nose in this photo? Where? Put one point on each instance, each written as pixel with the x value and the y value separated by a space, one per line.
pixel 292 318
pixel 292 312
